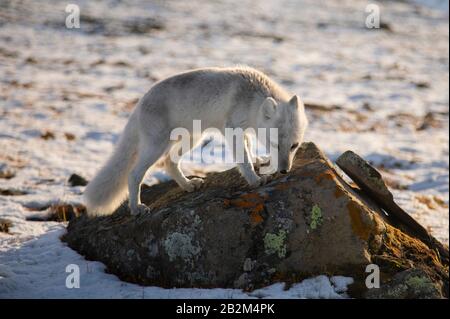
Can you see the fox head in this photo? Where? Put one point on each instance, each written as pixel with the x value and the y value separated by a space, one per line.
pixel 290 120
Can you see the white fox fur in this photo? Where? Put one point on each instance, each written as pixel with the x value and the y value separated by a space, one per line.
pixel 108 189
pixel 238 97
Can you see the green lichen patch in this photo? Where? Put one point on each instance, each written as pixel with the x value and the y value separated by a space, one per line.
pixel 275 243
pixel 316 217
pixel 413 283
pixel 421 285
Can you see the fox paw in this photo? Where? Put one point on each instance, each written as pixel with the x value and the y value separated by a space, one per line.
pixel 261 161
pixel 193 184
pixel 261 180
pixel 141 209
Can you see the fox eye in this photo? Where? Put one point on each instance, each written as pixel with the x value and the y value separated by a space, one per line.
pixel 294 146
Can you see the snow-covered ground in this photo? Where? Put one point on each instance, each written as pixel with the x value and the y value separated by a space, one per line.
pixel 65 95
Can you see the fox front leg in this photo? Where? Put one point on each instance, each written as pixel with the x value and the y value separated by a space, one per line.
pixel 247 169
pixel 257 161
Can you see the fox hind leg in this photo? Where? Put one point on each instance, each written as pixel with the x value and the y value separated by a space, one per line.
pixel 172 167
pixel 148 154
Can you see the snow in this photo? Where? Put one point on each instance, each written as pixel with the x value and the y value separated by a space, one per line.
pixel 60 83
pixel 36 268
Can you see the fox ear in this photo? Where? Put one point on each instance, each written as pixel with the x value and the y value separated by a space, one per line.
pixel 269 107
pixel 294 101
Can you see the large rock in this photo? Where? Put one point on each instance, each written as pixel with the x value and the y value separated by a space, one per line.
pixel 306 223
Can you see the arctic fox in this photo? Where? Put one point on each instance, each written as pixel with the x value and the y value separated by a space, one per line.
pixel 239 97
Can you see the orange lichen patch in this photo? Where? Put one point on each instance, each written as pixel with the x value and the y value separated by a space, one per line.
pixel 247 200
pixel 255 217
pixel 242 203
pixel 259 208
pixel 254 196
pixel 251 201
pixel 328 175
pixel 359 227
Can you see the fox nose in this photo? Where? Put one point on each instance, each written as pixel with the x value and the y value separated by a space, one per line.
pixel 283 171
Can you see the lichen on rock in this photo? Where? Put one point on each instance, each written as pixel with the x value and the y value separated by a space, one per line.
pixel 316 217
pixel 420 284
pixel 275 243
pixel 411 283
pixel 180 245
